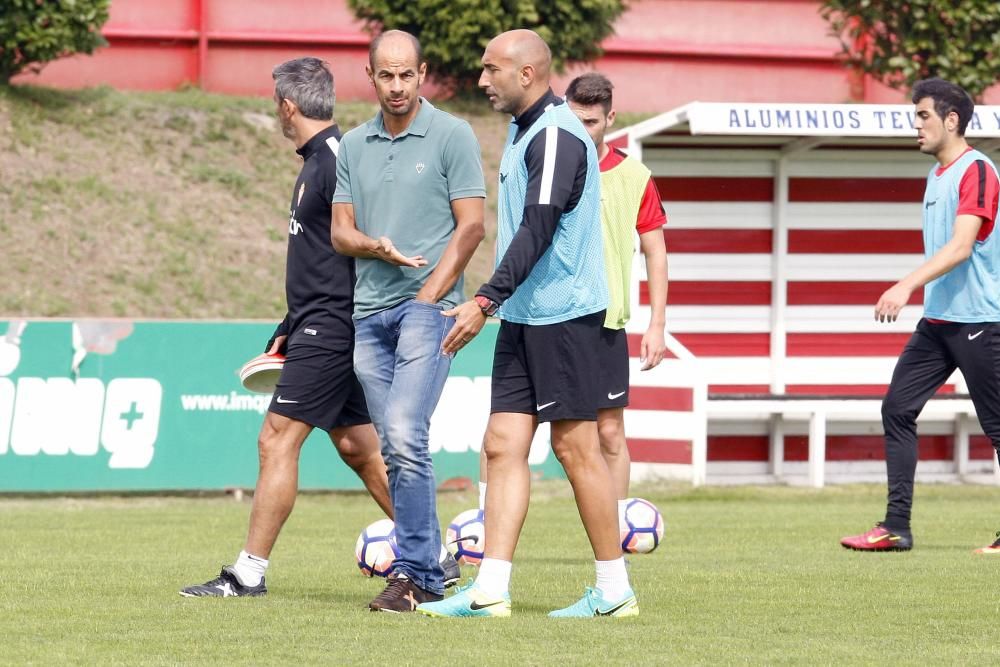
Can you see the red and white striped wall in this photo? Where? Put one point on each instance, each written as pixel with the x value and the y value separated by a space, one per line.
pixel 778 249
pixel 665 422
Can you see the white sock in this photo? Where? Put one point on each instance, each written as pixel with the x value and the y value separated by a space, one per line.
pixel 250 569
pixel 621 511
pixel 482 495
pixel 612 578
pixel 494 577
pixel 443 554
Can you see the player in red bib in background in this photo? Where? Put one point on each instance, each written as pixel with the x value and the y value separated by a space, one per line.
pixel 630 204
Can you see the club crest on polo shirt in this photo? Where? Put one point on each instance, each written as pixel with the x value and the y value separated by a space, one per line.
pixel 420 167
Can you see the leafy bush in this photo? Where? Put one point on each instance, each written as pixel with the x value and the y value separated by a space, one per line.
pixel 902 42
pixel 34 32
pixel 454 33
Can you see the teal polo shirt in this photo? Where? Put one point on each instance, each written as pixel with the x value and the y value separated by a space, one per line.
pixel 402 188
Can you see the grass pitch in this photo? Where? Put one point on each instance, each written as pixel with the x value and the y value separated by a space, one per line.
pixel 746 575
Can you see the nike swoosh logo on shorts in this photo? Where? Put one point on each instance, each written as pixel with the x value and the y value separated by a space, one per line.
pixel 614 396
pixel 284 400
pixel 539 408
pixel 976 335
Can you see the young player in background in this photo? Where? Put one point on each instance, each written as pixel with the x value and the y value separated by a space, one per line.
pixel 630 204
pixel 961 323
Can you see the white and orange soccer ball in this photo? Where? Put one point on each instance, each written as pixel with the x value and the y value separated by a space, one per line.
pixel 641 526
pixel 466 537
pixel 376 548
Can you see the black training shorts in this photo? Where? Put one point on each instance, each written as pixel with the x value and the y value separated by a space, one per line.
pixel 318 386
pixel 549 370
pixel 613 353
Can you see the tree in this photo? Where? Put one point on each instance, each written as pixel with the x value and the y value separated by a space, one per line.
pixel 901 42
pixel 34 32
pixel 454 33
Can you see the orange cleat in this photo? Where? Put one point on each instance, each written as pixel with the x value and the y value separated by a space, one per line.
pixel 878 539
pixel 992 549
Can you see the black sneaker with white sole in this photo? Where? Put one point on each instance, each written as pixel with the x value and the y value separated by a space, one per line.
pixel 224 586
pixel 452 571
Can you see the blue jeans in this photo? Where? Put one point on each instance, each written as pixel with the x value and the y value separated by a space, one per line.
pixel 398 359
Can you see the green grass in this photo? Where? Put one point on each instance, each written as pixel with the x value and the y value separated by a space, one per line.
pixel 746 575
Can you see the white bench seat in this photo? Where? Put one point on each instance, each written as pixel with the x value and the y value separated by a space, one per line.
pixel 956 409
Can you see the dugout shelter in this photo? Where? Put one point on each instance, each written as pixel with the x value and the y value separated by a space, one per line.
pixel 785 224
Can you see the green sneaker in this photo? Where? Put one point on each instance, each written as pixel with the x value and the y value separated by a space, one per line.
pixel 467 601
pixel 593 604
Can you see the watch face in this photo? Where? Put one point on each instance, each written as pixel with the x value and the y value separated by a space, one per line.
pixel 486 305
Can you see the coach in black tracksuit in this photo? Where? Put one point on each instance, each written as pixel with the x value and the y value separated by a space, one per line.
pixel 317 387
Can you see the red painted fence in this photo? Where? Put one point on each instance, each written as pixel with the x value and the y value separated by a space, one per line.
pixel 664 52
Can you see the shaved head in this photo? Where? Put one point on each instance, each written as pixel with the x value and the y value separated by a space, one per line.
pixel 516 67
pixel 524 47
pixel 397 39
pixel 396 70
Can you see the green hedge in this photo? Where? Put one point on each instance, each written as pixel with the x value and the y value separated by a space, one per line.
pixel 34 32
pixel 454 33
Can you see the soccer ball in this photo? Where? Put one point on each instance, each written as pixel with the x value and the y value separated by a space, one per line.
pixel 641 527
pixel 466 537
pixel 376 548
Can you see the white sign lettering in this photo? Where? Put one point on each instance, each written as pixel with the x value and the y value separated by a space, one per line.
pixel 60 416
pixel 823 120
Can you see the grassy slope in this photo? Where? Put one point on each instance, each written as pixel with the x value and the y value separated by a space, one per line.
pixel 158 205
pixel 746 575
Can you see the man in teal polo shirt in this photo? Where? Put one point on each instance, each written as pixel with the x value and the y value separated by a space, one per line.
pixel 409 206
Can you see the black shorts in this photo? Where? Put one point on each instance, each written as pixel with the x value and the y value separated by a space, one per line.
pixel 549 370
pixel 613 384
pixel 318 386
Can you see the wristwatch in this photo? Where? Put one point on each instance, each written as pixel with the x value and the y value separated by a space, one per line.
pixel 488 306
